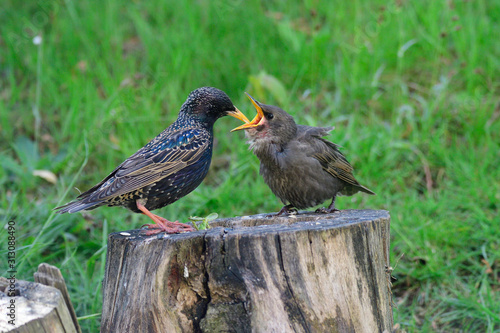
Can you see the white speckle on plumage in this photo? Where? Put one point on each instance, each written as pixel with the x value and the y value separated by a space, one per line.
pixel 157 167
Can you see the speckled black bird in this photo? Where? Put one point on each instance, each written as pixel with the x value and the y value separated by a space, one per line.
pixel 169 167
pixel 301 168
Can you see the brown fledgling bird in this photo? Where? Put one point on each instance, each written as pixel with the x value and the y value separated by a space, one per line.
pixel 301 168
pixel 169 167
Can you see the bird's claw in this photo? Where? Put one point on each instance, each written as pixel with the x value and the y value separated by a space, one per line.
pixel 323 210
pixel 285 211
pixel 166 227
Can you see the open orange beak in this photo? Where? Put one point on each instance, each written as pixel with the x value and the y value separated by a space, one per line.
pixel 256 121
pixel 238 115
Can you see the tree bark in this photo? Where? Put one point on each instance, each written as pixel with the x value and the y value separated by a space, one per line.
pixel 305 273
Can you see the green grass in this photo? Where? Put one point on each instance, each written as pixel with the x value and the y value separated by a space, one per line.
pixel 411 87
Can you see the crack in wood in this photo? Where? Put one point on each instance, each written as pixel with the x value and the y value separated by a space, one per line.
pixel 372 274
pixel 309 273
pixel 117 286
pixel 204 301
pixel 289 288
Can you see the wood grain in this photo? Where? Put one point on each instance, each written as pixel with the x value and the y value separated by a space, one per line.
pixel 307 273
pixel 38 309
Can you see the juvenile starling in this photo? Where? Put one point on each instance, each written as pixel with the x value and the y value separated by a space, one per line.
pixel 169 167
pixel 301 168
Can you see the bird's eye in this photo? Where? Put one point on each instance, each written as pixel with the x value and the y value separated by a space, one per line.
pixel 269 116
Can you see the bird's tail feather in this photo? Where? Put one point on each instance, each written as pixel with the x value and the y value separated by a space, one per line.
pixel 76 206
pixel 366 190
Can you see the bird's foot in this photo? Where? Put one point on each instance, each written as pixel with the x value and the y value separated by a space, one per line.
pixel 285 211
pixel 324 210
pixel 167 227
pixel 161 224
pixel 178 224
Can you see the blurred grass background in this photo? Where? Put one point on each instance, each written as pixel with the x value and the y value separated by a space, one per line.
pixel 411 87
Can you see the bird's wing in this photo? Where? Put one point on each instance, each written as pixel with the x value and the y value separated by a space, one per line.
pixel 163 156
pixel 327 153
pixel 335 163
pixel 307 132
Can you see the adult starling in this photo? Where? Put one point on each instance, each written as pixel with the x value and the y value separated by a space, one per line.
pixel 301 168
pixel 169 167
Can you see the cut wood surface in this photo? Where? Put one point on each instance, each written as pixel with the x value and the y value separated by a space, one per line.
pixel 305 273
pixel 37 308
pixel 51 276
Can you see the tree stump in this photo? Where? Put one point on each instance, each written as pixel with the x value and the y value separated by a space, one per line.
pixel 29 307
pixel 305 273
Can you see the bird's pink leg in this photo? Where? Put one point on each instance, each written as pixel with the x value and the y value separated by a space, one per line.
pixel 176 223
pixel 162 224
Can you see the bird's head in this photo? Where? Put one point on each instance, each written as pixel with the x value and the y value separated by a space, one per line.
pixel 271 124
pixel 209 104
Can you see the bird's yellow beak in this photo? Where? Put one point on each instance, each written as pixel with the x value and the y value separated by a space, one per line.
pixel 256 121
pixel 238 115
